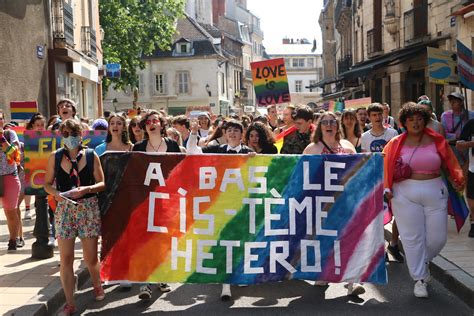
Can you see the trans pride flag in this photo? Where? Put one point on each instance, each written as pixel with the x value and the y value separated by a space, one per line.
pixel 242 220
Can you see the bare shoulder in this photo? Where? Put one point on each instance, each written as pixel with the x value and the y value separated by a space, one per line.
pixel 348 147
pixel 312 149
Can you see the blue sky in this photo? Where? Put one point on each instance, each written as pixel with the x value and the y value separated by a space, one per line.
pixel 293 19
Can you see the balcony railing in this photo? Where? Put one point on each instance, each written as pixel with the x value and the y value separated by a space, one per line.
pixel 342 6
pixel 416 23
pixel 88 39
pixel 374 41
pixel 63 22
pixel 344 64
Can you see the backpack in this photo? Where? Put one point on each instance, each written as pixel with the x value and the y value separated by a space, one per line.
pixel 58 157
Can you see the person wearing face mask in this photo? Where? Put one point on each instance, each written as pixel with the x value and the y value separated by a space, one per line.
pixel 78 177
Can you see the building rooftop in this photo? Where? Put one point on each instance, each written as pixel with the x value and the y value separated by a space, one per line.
pixel 290 49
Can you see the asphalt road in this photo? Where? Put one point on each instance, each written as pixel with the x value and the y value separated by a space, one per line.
pixel 292 297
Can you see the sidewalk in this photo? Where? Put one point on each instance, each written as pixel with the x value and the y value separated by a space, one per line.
pixel 32 287
pixel 454 266
pixel 29 286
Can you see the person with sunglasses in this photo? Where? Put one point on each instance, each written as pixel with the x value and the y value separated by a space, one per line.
pixel 155 141
pixel 135 131
pixel 78 177
pixel 327 138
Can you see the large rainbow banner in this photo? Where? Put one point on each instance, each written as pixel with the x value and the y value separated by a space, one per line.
pixel 270 81
pixel 242 220
pixel 38 147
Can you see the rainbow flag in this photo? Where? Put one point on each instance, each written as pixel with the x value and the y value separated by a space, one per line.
pixel 20 131
pixel 457 206
pixel 23 110
pixel 281 136
pixel 270 82
pixel 335 106
pixel 358 103
pixel 225 218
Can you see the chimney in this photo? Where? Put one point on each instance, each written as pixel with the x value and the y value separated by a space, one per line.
pixel 218 10
pixel 286 40
pixel 292 41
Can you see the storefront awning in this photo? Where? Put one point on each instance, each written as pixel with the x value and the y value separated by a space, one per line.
pixel 464 10
pixel 365 68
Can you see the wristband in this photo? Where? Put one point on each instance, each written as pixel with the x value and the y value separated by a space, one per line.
pixel 10 150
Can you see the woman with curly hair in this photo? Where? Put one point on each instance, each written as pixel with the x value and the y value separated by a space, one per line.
pixel 413 163
pixel 260 139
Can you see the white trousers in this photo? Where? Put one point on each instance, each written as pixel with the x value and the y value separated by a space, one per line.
pixel 420 209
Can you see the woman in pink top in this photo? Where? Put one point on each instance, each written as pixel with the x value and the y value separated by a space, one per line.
pixel 419 202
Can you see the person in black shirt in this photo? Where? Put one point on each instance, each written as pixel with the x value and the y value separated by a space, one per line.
pixel 259 138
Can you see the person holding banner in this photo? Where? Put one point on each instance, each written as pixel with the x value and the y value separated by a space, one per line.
pixel 260 139
pixel 155 141
pixel 10 182
pixel 327 138
pixel 135 131
pixel 413 164
pixel 78 175
pixel 117 136
pixel 233 131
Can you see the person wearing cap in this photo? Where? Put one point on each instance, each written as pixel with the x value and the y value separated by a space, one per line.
pixel 204 120
pixel 67 109
pixel 434 124
pixel 100 125
pixel 454 120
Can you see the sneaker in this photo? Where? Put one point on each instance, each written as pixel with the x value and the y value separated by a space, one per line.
pixel 145 292
pixel 125 286
pixel 471 231
pixel 421 289
pixel 321 283
pixel 355 289
pixel 20 242
pixel 52 242
pixel 12 244
pixel 27 214
pixel 395 252
pixel 99 293
pixel 164 287
pixel 68 310
pixel 226 293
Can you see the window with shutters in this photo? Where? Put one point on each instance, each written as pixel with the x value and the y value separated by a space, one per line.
pixel 298 85
pixel 183 82
pixel 160 83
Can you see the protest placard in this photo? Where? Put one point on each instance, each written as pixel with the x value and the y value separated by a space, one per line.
pixel 270 82
pixel 242 220
pixel 38 147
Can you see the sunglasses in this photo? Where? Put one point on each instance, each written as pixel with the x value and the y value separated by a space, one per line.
pixel 134 124
pixel 329 122
pixel 153 121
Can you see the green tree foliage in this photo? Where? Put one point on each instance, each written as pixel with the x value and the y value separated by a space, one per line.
pixel 134 28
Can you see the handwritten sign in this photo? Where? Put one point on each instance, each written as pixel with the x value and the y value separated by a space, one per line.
pixel 270 82
pixel 38 147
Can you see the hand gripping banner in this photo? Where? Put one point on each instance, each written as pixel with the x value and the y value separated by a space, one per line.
pixel 242 220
